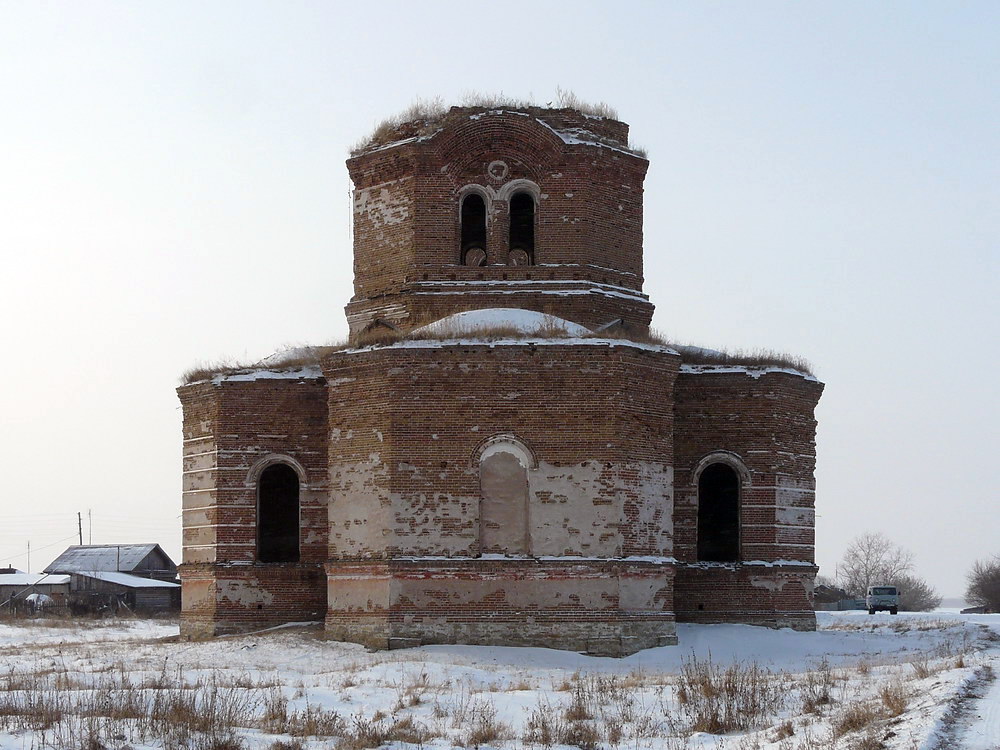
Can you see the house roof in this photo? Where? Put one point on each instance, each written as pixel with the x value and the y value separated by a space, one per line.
pixel 31 579
pixel 124 579
pixel 106 557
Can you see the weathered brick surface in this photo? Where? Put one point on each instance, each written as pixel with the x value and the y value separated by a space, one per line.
pixel 407 425
pixel 767 423
pixel 231 428
pixel 602 442
pixel 588 236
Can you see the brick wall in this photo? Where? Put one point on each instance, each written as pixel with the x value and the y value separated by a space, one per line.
pixel 588 230
pixel 407 425
pixel 233 427
pixel 766 423
pixel 610 437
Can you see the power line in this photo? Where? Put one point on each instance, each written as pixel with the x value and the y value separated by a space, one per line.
pixel 46 546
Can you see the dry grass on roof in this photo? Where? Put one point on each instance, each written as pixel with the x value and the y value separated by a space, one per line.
pixel 696 355
pixel 693 355
pixel 294 358
pixel 426 115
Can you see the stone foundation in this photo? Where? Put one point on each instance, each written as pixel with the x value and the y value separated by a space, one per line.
pixel 777 596
pixel 601 607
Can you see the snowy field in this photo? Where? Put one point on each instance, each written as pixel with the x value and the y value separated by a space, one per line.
pixel 914 682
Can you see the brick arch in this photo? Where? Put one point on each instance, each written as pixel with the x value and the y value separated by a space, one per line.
pixel 504 466
pixel 253 475
pixel 505 441
pixel 733 460
pixel 721 480
pixel 528 147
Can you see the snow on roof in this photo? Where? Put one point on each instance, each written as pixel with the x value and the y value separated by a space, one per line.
pixel 32 579
pixel 524 321
pixel 526 341
pixel 112 557
pixel 124 579
pixel 306 372
pixel 753 371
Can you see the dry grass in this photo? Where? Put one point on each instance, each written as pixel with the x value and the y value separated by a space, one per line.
pixel 693 355
pixel 855 717
pixel 175 708
pixel 817 687
pixel 295 358
pixel 425 116
pixel 717 700
pixel 895 698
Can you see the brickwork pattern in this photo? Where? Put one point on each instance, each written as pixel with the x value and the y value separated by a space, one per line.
pixel 608 438
pixel 588 218
pixel 767 424
pixel 231 428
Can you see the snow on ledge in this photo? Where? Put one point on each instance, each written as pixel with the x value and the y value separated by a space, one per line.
pixel 299 373
pixel 750 563
pixel 528 341
pixel 524 321
pixel 538 558
pixel 748 370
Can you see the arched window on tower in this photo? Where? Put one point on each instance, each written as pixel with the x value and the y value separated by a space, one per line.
pixel 503 509
pixel 473 230
pixel 522 230
pixel 278 514
pixel 719 514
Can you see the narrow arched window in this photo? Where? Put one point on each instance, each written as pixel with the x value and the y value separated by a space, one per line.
pixel 473 230
pixel 503 510
pixel 719 514
pixel 522 229
pixel 278 514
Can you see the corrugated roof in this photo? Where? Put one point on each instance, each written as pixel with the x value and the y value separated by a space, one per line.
pixel 30 579
pixel 133 582
pixel 106 557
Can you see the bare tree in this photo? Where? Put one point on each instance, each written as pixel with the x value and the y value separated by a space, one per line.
pixel 984 584
pixel 915 594
pixel 871 559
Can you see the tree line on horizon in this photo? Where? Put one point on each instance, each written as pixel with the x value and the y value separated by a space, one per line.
pixel 873 559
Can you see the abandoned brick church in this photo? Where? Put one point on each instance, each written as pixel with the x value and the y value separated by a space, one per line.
pixel 502 454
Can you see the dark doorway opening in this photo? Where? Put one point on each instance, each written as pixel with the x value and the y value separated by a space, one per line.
pixel 522 225
pixel 719 514
pixel 473 230
pixel 278 514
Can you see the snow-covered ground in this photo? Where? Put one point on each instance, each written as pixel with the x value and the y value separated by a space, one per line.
pixel 914 681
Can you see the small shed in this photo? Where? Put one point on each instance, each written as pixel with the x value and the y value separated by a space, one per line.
pixel 144 560
pixel 15 588
pixel 95 590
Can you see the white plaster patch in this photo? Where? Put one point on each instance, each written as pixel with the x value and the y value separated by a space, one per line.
pixel 382 205
pixel 246 593
pixel 768 584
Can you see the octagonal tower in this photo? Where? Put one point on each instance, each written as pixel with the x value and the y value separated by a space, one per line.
pixel 534 208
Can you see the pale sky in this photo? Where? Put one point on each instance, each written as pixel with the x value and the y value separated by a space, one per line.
pixel 823 181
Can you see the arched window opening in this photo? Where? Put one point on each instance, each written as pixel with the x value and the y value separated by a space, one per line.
pixel 522 229
pixel 278 514
pixel 503 514
pixel 473 230
pixel 719 514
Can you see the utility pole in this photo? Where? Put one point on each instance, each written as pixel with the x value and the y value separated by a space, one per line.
pixel 29 558
pixel 79 526
pixel 90 527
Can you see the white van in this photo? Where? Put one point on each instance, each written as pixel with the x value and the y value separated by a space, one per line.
pixel 881 598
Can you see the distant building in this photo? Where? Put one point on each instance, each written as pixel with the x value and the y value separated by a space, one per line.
pixel 92 591
pixel 143 560
pixel 15 588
